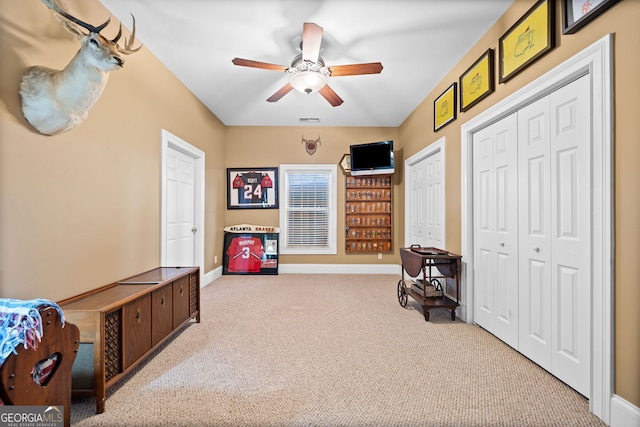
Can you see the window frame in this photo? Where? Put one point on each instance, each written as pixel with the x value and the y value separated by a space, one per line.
pixel 332 171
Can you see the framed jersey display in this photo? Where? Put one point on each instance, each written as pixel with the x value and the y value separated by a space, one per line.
pixel 255 188
pixel 250 249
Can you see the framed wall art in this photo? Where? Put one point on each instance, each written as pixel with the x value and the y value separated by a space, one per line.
pixel 527 40
pixel 477 82
pixel 578 13
pixel 253 188
pixel 250 249
pixel 345 163
pixel 445 108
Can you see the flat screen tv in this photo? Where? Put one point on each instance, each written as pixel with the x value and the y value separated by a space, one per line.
pixel 374 158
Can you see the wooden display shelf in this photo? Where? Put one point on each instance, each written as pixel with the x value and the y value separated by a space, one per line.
pixel 368 214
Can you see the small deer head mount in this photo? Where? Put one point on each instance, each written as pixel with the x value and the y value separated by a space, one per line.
pixel 311 145
pixel 56 101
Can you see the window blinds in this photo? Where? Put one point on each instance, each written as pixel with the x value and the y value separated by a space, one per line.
pixel 308 209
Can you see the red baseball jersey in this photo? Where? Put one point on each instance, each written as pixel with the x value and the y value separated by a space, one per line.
pixel 245 254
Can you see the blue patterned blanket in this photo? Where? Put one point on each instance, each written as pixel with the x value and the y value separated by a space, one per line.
pixel 20 323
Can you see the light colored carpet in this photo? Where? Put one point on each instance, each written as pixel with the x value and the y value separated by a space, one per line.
pixel 332 350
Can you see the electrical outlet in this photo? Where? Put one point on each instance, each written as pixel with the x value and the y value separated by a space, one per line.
pixel 379 255
pixel 215 259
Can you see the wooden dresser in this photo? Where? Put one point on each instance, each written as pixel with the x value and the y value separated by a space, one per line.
pixel 122 323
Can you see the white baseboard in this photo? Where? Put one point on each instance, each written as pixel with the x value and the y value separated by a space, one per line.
pixel 211 276
pixel 319 269
pixel 340 269
pixel 624 413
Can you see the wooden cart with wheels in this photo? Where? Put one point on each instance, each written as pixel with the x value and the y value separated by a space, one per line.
pixel 435 266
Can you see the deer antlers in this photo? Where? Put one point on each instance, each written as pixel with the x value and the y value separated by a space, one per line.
pixel 127 50
pixel 56 101
pixel 127 43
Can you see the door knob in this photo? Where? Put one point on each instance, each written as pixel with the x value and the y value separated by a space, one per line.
pixel 194 229
pixel 536 249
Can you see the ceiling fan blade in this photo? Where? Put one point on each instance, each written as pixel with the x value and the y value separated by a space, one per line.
pixel 311 41
pixel 355 69
pixel 328 94
pixel 280 93
pixel 258 64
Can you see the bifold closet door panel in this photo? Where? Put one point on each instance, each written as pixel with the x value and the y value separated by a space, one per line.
pixel 571 206
pixel 495 190
pixel 554 169
pixel 534 165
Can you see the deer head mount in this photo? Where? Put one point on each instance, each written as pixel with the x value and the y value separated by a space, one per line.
pixel 56 101
pixel 311 145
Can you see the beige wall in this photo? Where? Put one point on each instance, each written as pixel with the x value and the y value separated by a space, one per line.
pixel 273 146
pixel 417 132
pixel 82 209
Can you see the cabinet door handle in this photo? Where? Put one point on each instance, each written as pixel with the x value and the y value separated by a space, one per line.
pixel 139 315
pixel 181 290
pixel 163 301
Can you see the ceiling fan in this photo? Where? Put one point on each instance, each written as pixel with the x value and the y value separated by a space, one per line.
pixel 308 70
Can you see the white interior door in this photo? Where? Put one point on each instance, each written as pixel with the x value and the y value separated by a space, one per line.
pixel 534 186
pixel 496 229
pixel 532 198
pixel 182 203
pixel 433 201
pixel 416 204
pixel 596 63
pixel 180 209
pixel 571 243
pixel 424 173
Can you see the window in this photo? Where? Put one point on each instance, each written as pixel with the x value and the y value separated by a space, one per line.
pixel 308 209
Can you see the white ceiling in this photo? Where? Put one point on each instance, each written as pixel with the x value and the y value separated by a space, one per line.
pixel 417 41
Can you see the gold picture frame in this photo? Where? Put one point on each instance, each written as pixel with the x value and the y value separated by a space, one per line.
pixel 527 40
pixel 478 81
pixel 445 108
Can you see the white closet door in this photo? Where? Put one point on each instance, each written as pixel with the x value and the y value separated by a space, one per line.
pixel 417 215
pixel 534 188
pixel 532 232
pixel 496 232
pixel 434 201
pixel 571 234
pixel 426 200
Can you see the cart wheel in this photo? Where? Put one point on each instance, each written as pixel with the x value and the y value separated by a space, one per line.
pixel 402 293
pixel 453 315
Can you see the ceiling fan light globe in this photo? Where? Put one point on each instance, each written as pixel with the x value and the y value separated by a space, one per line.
pixel 308 81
